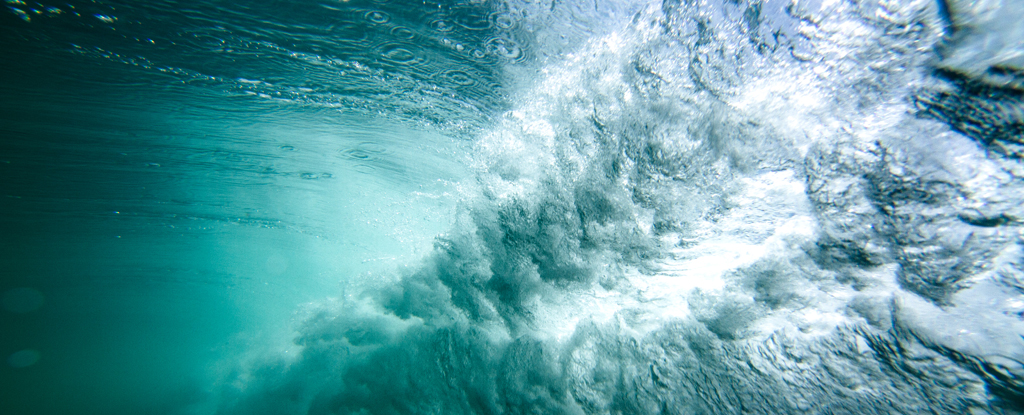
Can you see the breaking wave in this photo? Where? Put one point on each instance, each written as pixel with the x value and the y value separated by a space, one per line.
pixel 712 207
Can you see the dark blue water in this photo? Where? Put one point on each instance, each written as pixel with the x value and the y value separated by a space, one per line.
pixel 389 207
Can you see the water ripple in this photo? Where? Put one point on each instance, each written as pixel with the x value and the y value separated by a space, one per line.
pixel 399 53
pixel 503 20
pixel 504 48
pixel 474 22
pixel 459 78
pixel 377 16
pixel 340 54
pixel 442 26
pixel 403 32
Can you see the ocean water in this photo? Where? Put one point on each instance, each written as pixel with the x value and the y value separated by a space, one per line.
pixel 512 207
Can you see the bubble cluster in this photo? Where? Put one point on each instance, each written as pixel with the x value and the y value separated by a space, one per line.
pixel 685 216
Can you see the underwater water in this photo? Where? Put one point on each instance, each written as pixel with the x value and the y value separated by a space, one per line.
pixel 511 207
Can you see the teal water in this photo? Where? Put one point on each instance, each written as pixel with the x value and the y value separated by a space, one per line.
pixel 491 207
pixel 168 225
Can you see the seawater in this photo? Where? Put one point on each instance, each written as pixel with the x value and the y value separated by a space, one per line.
pixel 488 207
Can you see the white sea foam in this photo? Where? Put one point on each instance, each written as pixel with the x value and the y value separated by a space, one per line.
pixel 693 215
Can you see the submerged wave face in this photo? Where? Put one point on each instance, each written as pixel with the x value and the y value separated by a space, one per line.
pixel 443 63
pixel 721 207
pixel 689 207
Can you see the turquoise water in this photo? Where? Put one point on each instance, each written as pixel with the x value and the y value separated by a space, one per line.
pixel 533 206
pixel 169 225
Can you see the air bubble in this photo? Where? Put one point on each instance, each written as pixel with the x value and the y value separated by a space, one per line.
pixel 504 47
pixel 503 20
pixel 378 17
pixel 441 26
